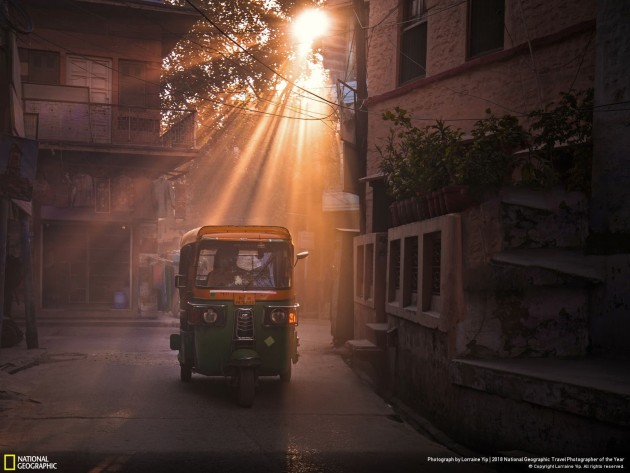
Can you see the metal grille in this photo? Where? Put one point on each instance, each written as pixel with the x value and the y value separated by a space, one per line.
pixel 244 328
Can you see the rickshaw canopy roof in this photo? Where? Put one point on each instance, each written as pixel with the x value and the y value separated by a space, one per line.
pixel 236 232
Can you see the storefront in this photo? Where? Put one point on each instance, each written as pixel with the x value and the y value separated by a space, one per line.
pixel 86 264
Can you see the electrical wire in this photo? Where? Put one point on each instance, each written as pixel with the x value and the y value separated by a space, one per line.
pixel 309 116
pixel 196 96
pixel 310 93
pixel 266 66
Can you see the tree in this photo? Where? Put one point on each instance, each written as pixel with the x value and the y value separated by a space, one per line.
pixel 238 69
pixel 231 63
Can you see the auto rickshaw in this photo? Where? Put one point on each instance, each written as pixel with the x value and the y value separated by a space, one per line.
pixel 238 314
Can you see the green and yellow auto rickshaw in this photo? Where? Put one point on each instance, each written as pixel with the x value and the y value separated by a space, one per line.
pixel 238 314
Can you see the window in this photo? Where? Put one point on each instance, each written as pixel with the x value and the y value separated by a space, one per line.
pixel 43 67
pixel 369 272
pixel 370 252
pixel 410 265
pixel 393 290
pixel 486 24
pixel 413 41
pixel 432 272
pixel 244 265
pixel 360 273
pixel 364 281
pixel 133 81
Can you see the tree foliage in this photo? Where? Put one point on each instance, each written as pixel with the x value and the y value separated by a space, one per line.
pixel 229 60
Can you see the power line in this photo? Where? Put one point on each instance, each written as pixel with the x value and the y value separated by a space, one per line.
pixel 204 99
pixel 265 65
pixel 310 117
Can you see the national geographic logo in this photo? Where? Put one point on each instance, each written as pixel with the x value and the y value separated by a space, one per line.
pixel 14 462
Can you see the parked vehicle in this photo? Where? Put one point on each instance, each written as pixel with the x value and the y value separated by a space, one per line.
pixel 238 314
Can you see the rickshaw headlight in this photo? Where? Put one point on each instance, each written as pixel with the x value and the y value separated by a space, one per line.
pixel 278 316
pixel 281 316
pixel 206 315
pixel 210 316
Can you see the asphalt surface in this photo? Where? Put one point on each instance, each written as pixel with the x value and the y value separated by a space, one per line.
pixel 436 453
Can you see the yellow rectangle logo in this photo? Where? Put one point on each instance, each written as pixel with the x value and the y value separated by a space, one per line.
pixel 9 462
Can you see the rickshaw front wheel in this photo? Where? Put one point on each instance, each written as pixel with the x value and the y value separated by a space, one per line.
pixel 185 373
pixel 246 387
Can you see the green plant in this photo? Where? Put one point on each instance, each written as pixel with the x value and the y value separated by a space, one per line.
pixel 562 140
pixel 395 162
pixel 559 140
pixel 418 160
pixel 489 160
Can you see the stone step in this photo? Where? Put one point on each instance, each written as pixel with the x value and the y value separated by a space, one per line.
pixel 379 333
pixel 362 345
pixel 566 262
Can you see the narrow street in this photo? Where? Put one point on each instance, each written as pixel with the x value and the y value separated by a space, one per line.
pixel 108 398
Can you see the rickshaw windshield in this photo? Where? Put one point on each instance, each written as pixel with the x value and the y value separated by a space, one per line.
pixel 244 265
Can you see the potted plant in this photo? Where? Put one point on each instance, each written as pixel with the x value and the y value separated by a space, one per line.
pixel 417 163
pixel 431 170
pixel 489 160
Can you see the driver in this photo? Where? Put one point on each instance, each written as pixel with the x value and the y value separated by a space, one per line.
pixel 225 271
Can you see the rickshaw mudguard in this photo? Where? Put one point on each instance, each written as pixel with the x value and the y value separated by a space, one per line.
pixel 244 357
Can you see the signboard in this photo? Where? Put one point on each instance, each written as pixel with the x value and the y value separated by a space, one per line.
pixel 18 165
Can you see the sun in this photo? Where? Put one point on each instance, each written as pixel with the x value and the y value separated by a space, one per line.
pixel 308 26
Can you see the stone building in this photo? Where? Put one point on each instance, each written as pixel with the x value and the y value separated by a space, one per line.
pixel 500 322
pixel 90 73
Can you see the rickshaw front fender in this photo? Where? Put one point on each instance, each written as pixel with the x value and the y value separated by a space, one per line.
pixel 244 357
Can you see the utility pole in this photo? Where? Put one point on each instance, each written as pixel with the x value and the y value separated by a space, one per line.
pixel 361 118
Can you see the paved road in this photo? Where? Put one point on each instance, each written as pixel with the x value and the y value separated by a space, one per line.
pixel 109 399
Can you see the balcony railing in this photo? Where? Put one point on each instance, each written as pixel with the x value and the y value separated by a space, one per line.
pixel 85 122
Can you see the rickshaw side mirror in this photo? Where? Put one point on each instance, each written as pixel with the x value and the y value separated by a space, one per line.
pixel 180 281
pixel 300 255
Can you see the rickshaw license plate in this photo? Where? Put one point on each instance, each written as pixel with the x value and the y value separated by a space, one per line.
pixel 244 299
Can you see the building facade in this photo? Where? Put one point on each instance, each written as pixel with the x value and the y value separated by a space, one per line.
pixel 91 89
pixel 485 319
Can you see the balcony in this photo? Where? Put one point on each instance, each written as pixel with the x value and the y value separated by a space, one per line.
pixel 63 114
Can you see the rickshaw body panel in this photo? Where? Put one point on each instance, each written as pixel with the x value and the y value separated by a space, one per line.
pixel 215 352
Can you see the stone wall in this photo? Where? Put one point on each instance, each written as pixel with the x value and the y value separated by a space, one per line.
pixel 515 307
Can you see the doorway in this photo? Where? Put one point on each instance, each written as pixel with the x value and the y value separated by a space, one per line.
pixel 85 264
pixel 96 75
